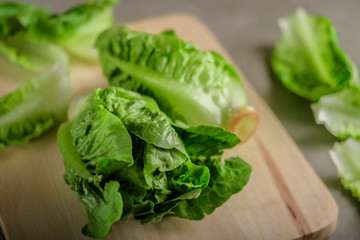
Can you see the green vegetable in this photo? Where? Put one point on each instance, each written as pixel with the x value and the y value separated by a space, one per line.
pixel 126 160
pixel 27 49
pixel 77 28
pixel 340 113
pixel 17 17
pixel 226 179
pixel 40 102
pixel 308 59
pixel 191 86
pixel 103 204
pixel 345 156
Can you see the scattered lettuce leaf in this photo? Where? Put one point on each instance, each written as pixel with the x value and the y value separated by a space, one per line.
pixel 18 17
pixel 340 113
pixel 191 86
pixel 39 103
pixel 345 156
pixel 308 59
pixel 23 50
pixel 77 28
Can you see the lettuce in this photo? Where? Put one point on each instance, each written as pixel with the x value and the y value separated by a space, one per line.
pixel 29 49
pixel 77 28
pixel 345 156
pixel 191 86
pixel 308 59
pixel 340 113
pixel 125 159
pixel 40 102
pixel 17 17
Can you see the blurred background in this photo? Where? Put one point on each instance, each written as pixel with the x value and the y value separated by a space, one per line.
pixel 248 30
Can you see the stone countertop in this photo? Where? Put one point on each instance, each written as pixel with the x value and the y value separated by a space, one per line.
pixel 248 30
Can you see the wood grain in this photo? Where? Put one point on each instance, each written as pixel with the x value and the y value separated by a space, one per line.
pixel 284 199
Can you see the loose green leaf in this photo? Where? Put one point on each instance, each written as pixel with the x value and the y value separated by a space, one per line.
pixel 39 103
pixel 17 17
pixel 308 59
pixel 77 28
pixel 340 113
pixel 345 156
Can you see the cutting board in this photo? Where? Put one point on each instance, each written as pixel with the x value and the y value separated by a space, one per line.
pixel 284 198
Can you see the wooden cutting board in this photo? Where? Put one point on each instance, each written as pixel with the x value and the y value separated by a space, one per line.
pixel 284 199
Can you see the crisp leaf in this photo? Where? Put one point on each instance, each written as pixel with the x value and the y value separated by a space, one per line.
pixel 308 59
pixel 39 103
pixel 77 28
pixel 93 127
pixel 340 113
pixel 103 205
pixel 17 17
pixel 345 156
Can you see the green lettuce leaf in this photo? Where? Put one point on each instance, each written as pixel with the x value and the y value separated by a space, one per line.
pixel 345 156
pixel 226 180
pixel 96 126
pixel 308 59
pixel 103 201
pixel 103 206
pixel 156 158
pixel 340 113
pixel 186 182
pixel 216 140
pixel 77 28
pixel 17 17
pixel 191 86
pixel 39 103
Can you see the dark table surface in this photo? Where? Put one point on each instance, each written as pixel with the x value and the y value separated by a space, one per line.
pixel 248 31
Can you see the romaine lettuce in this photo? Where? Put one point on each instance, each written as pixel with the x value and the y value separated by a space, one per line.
pixel 77 28
pixel 27 39
pixel 340 113
pixel 126 160
pixel 345 156
pixel 18 17
pixel 308 59
pixel 191 86
pixel 40 102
